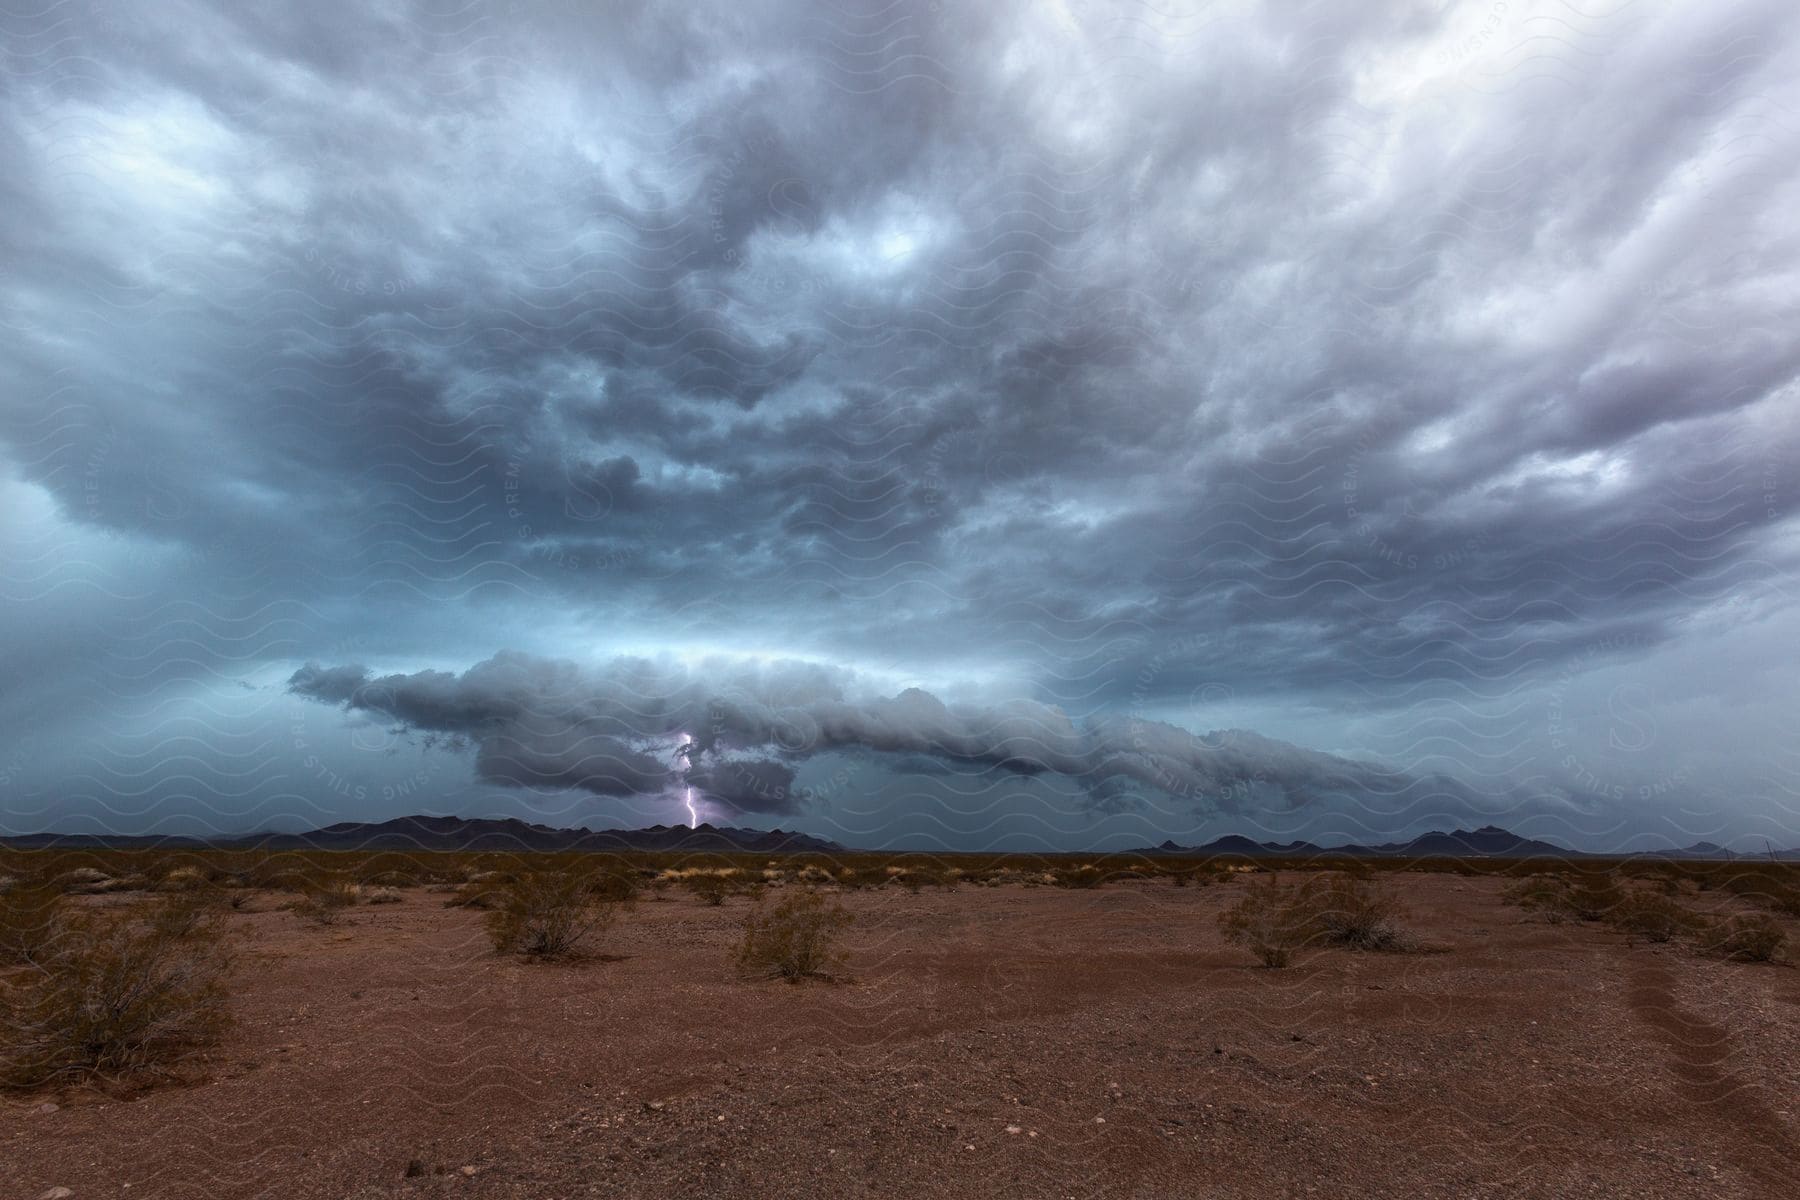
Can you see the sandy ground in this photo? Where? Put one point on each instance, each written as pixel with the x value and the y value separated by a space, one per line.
pixel 994 1043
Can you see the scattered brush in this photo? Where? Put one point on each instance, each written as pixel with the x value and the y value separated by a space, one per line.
pixel 1753 938
pixel 1348 910
pixel 1653 916
pixel 115 996
pixel 1274 920
pixel 1087 875
pixel 710 886
pixel 1270 919
pixel 1587 898
pixel 548 914
pixel 614 884
pixel 324 899
pixel 1593 897
pixel 480 890
pixel 29 924
pixel 181 915
pixel 796 939
pixel 185 879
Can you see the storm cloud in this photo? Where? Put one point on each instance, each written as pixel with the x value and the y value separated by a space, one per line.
pixel 1006 391
pixel 733 732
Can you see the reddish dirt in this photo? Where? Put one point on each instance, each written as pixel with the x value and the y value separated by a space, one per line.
pixel 1134 1052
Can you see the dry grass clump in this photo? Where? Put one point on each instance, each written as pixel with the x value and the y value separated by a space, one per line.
pixel 710 886
pixel 29 924
pixel 1593 897
pixel 548 914
pixel 185 879
pixel 1087 875
pixel 186 914
pixel 1753 938
pixel 1651 912
pixel 324 898
pixel 479 890
pixel 1274 920
pixel 1771 884
pixel 615 883
pixel 1653 916
pixel 116 996
pixel 1585 898
pixel 382 895
pixel 1351 911
pixel 1199 877
pixel 794 940
pixel 1270 919
pixel 389 879
pixel 88 881
pixel 1542 893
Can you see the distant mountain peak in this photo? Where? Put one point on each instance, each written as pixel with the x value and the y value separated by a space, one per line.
pixel 1487 841
pixel 510 833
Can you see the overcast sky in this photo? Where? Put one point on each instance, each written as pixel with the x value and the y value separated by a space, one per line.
pixel 1016 425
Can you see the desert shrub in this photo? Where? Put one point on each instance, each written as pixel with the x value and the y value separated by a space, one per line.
pixel 1349 910
pixel 794 940
pixel 396 869
pixel 1195 877
pixel 28 924
pixel 916 877
pixel 481 890
pixel 614 884
pixel 86 881
pixel 1087 875
pixel 547 914
pixel 1593 897
pixel 1538 893
pixel 186 914
pixel 1271 920
pixel 1775 893
pixel 709 886
pixel 1586 898
pixel 324 898
pixel 185 879
pixel 382 895
pixel 269 872
pixel 114 997
pixel 388 879
pixel 1746 938
pixel 1651 915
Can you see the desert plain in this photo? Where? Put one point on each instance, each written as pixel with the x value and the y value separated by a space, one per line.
pixel 979 1041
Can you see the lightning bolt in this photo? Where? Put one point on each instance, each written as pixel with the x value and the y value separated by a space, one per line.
pixel 687 789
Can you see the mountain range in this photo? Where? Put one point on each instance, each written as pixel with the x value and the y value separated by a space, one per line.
pixel 420 832
pixel 1490 841
pixel 462 833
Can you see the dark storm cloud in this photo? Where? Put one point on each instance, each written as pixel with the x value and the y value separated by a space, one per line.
pixel 1385 360
pixel 542 723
